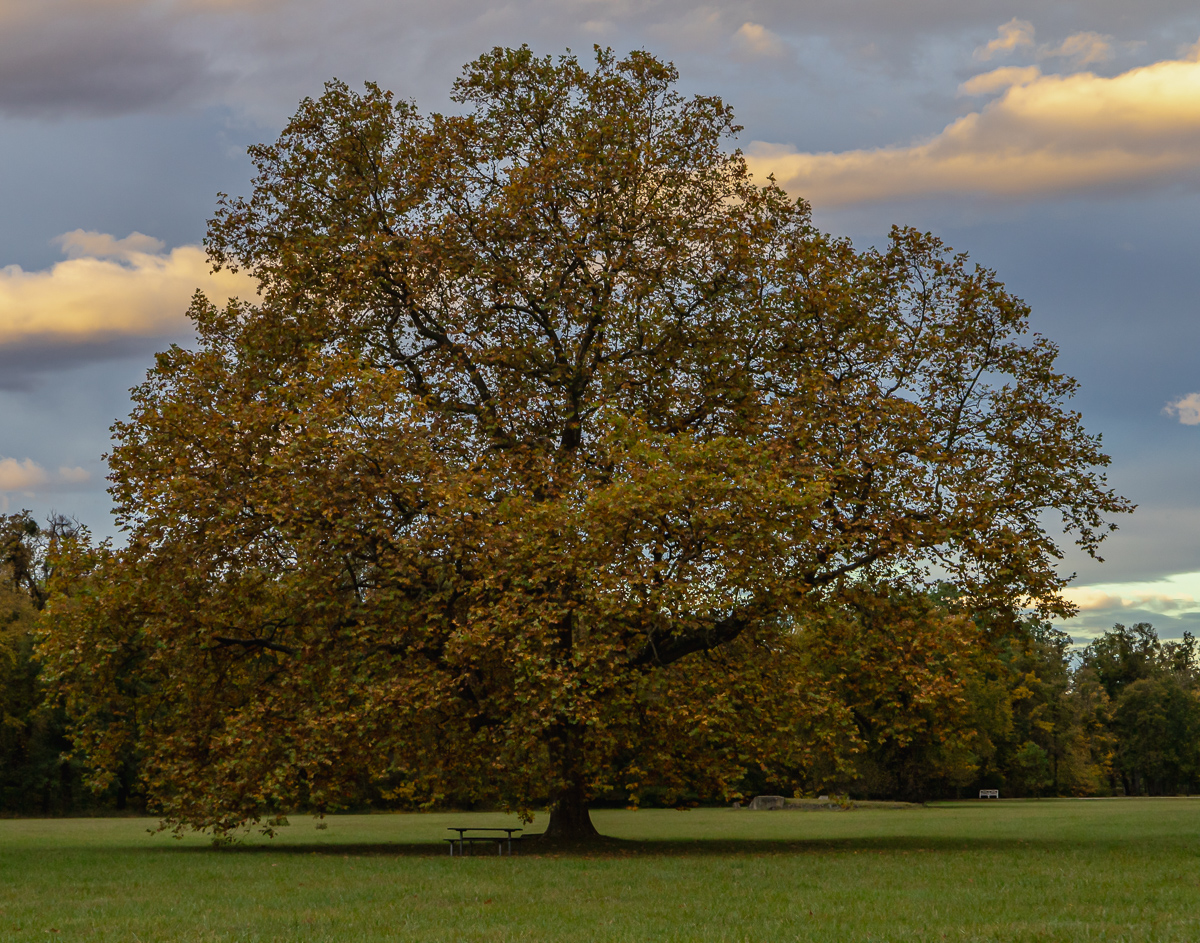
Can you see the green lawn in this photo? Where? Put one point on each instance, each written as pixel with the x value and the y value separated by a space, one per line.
pixel 1119 869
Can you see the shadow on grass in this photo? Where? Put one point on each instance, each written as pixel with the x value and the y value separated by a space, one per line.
pixel 633 848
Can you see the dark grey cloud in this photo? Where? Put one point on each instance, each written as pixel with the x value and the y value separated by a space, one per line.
pixel 28 366
pixel 96 63
pixel 106 57
pixel 843 74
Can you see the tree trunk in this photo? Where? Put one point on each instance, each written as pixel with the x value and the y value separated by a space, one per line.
pixel 569 816
pixel 570 819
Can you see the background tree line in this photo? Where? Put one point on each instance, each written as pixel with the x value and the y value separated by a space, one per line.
pixel 1021 709
pixel 37 773
pixel 941 707
pixel 40 771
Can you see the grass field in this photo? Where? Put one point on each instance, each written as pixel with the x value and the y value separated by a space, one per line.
pixel 1120 869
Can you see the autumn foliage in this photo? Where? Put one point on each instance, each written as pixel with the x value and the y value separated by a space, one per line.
pixel 552 452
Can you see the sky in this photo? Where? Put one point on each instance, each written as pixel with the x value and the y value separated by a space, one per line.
pixel 1057 143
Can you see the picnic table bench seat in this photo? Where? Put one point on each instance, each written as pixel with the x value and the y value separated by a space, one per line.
pixel 464 840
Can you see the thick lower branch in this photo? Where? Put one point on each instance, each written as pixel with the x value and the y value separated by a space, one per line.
pixel 222 641
pixel 662 650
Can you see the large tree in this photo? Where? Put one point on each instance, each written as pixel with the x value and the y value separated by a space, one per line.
pixel 550 434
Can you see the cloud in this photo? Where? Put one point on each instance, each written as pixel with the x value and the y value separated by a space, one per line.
pixel 73 476
pixel 1170 603
pixel 1090 599
pixel 28 478
pixel 79 244
pixel 1082 48
pixel 1170 594
pixel 1187 408
pixel 756 40
pixel 107 292
pixel 105 57
pixel 21 476
pixel 66 57
pixel 112 299
pixel 1045 134
pixel 1000 79
pixel 1013 34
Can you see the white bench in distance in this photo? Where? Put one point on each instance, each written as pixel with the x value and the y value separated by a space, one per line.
pixel 989 793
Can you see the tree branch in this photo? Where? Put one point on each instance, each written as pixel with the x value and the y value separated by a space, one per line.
pixel 661 651
pixel 222 641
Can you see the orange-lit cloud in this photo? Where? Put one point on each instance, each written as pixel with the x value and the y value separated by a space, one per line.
pixel 1082 49
pixel 1093 600
pixel 1102 604
pixel 756 40
pixel 27 477
pixel 21 476
pixel 81 244
pixel 1013 34
pixel 1000 79
pixel 108 288
pixel 1044 134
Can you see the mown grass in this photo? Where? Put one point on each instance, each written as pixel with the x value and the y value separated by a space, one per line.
pixel 1050 870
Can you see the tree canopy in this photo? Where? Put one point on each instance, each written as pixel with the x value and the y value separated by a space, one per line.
pixel 551 436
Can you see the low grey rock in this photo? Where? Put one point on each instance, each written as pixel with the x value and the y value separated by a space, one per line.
pixel 767 803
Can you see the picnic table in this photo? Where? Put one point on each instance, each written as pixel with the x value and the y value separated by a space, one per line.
pixel 465 840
